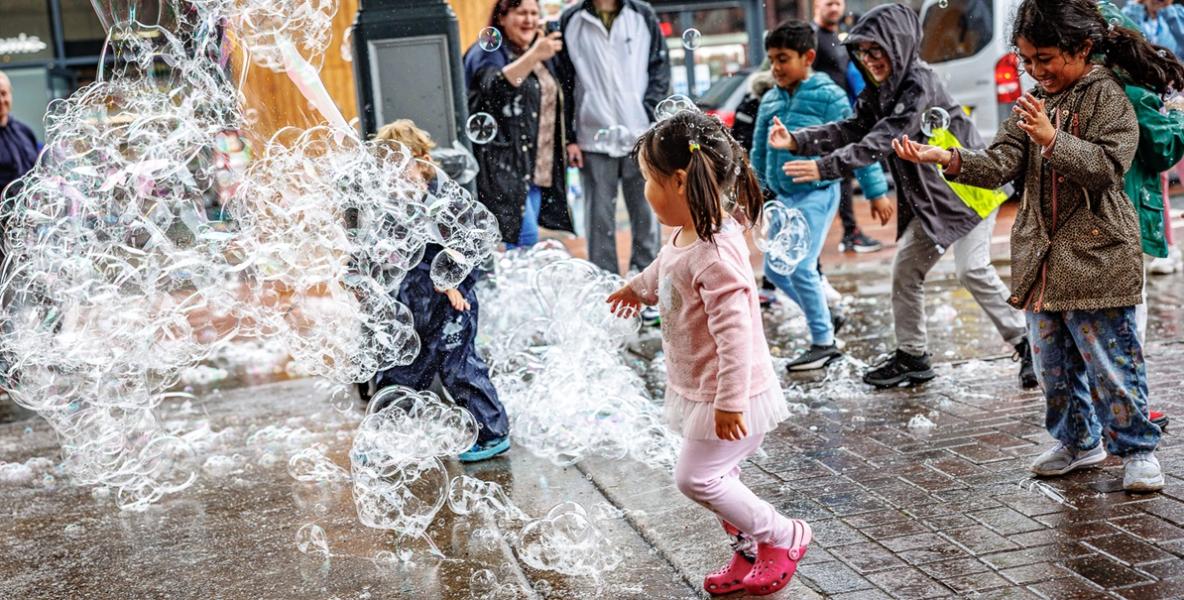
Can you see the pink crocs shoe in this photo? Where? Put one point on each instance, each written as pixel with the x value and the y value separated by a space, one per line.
pixel 774 566
pixel 729 578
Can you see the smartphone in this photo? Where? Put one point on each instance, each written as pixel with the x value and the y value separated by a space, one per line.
pixel 551 27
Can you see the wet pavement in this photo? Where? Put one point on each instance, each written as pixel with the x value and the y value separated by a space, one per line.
pixel 898 511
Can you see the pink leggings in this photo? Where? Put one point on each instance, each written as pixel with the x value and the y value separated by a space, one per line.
pixel 708 472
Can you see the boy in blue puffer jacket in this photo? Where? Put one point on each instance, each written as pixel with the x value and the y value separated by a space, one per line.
pixel 803 98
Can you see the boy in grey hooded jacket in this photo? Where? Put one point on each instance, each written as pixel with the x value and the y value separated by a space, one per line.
pixel 931 216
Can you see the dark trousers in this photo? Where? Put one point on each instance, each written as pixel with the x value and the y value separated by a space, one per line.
pixel 448 349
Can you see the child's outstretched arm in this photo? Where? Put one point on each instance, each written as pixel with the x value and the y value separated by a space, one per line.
pixel 1002 162
pixel 642 289
pixel 873 143
pixel 726 296
pixel 824 139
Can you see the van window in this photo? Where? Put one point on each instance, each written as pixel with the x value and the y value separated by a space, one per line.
pixel 958 31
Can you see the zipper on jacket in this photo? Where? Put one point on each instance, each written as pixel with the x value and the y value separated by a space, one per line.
pixel 1051 233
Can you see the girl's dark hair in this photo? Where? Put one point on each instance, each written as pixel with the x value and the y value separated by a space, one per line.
pixel 1070 24
pixel 716 166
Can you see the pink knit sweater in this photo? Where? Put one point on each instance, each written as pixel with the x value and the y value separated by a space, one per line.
pixel 711 321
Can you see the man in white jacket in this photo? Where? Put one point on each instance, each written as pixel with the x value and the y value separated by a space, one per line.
pixel 614 65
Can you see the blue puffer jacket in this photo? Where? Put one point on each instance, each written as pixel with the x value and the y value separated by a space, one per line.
pixel 817 101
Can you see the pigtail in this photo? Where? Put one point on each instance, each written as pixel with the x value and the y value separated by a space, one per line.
pixel 703 192
pixel 1148 66
pixel 747 190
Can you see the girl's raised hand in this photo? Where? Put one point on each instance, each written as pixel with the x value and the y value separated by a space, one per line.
pixel 923 154
pixel 1034 120
pixel 779 137
pixel 730 426
pixel 625 302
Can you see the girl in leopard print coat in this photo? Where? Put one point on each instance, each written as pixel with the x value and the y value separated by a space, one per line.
pixel 1077 266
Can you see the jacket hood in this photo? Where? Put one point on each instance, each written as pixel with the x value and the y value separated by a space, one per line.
pixel 896 29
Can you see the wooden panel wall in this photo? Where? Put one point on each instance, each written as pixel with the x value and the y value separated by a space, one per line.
pixel 277 101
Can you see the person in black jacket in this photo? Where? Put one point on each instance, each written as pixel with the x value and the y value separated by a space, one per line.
pixel 521 176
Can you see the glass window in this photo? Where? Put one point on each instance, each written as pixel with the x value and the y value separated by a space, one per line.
pixel 958 31
pixel 722 46
pixel 84 34
pixel 25 32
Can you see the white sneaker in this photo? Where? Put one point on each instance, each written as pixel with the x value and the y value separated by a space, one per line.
pixel 1141 473
pixel 1166 265
pixel 1061 459
pixel 833 297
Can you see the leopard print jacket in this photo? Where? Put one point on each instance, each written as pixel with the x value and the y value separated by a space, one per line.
pixel 1075 242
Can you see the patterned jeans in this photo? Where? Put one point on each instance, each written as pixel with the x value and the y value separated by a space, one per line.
pixel 1090 365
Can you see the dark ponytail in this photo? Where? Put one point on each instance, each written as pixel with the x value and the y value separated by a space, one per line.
pixel 717 168
pixel 1071 24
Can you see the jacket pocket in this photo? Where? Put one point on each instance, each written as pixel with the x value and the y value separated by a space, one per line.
pixel 1099 257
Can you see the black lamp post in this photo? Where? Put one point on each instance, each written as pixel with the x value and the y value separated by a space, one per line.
pixel 408 64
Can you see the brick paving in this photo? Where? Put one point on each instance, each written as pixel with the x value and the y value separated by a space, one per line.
pixel 951 511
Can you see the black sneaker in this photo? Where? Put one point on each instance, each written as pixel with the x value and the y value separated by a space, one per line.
pixel 1023 354
pixel 816 357
pixel 856 241
pixel 901 368
pixel 837 320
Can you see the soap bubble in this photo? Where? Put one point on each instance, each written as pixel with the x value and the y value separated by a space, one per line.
pixel 481 128
pixel 673 105
pixel 692 39
pixel 489 39
pixel 943 3
pixel 933 120
pixel 311 539
pixel 615 135
pixel 784 236
pixel 347 45
pixel 482 584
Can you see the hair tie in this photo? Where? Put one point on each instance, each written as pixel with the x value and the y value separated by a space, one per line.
pixel 694 146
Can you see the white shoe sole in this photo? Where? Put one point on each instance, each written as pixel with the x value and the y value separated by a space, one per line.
pixel 867 249
pixel 813 366
pixel 1144 487
pixel 1085 461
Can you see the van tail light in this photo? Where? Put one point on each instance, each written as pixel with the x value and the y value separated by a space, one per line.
pixel 1007 79
pixel 726 117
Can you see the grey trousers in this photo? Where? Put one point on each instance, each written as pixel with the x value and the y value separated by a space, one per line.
pixel 601 174
pixel 916 255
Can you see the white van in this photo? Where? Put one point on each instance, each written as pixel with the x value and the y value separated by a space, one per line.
pixel 968 43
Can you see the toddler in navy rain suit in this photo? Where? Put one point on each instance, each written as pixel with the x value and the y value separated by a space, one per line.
pixel 446 322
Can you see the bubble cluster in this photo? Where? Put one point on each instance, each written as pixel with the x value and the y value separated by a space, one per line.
pixel 399 481
pixel 116 283
pixel 784 236
pixel 556 357
pixel 933 120
pixel 567 541
pixel 672 106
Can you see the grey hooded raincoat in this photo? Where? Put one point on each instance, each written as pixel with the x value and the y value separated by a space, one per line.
pixel 889 110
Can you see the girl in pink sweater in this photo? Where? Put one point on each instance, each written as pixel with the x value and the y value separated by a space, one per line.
pixel 721 393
